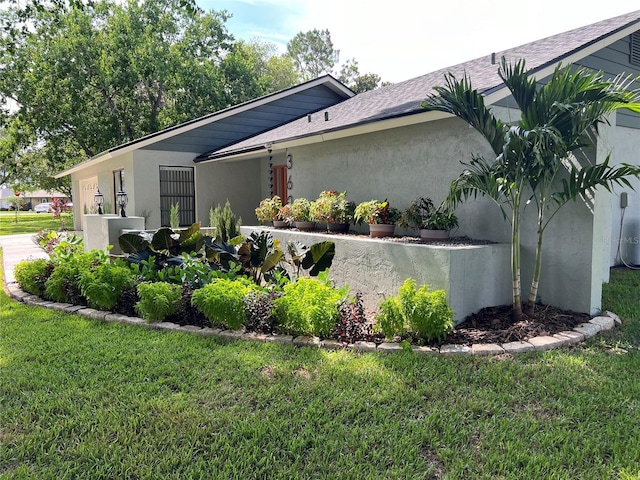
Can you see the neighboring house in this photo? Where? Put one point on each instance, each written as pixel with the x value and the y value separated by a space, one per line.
pixel 33 197
pixel 382 144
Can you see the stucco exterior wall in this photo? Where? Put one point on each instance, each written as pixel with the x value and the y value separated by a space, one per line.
pixel 421 160
pixel 236 181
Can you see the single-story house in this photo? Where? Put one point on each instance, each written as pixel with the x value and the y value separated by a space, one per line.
pixel 31 198
pixel 383 144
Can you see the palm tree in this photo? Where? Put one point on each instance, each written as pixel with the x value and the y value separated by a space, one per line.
pixel 556 120
pixel 573 103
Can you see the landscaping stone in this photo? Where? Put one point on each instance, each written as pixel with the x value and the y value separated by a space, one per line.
pixel 615 317
pixel 231 334
pixel 588 329
pixel 570 337
pixel 331 344
pixel 74 308
pixel 606 323
pixel 92 313
pixel 164 326
pixel 189 328
pixel 363 346
pixel 115 317
pixel 306 341
pixel 423 349
pixel 208 332
pixel 455 349
pixel 260 337
pixel 16 292
pixel 61 306
pixel 483 349
pixel 390 347
pixel 135 321
pixel 518 347
pixel 284 339
pixel 545 342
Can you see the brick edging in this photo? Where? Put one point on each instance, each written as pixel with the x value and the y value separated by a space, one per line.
pixel 582 332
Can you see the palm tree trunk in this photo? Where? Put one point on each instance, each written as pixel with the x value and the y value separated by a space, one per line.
pixel 533 292
pixel 515 262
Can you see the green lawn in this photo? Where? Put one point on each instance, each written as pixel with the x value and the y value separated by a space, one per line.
pixel 29 222
pixel 86 399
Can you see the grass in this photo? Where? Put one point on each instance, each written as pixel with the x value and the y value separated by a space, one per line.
pixel 86 399
pixel 29 222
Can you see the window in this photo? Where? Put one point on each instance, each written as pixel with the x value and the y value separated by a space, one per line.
pixel 176 186
pixel 280 182
pixel 118 184
pixel 634 56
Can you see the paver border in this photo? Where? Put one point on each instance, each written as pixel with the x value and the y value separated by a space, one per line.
pixel 605 321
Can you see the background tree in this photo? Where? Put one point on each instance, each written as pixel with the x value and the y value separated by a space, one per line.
pixel 313 53
pixel 82 80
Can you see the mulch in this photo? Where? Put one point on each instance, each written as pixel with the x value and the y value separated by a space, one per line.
pixel 495 325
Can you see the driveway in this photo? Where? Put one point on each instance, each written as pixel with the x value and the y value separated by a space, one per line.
pixel 16 248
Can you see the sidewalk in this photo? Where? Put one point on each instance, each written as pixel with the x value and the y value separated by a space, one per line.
pixel 16 248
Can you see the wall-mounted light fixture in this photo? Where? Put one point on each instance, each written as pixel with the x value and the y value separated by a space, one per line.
pixel 122 199
pixel 98 199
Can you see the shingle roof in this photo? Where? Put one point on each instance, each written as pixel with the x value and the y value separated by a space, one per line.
pixel 404 98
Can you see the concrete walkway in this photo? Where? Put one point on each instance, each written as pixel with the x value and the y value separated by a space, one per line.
pixel 16 248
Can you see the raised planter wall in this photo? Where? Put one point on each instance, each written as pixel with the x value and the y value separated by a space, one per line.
pixel 100 231
pixel 474 276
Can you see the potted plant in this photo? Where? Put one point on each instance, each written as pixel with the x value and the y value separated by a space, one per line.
pixel 284 218
pixel 334 209
pixel 380 216
pixel 434 222
pixel 301 212
pixel 268 209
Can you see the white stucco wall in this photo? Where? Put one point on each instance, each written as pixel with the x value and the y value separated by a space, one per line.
pixel 421 160
pixel 236 181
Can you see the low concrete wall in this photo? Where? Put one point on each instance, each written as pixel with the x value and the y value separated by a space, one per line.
pixel 474 276
pixel 101 231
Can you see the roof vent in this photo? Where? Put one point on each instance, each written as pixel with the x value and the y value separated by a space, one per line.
pixel 326 116
pixel 493 58
pixel 634 50
pixel 309 118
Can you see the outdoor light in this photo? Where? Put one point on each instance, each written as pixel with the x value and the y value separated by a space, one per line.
pixel 98 199
pixel 122 199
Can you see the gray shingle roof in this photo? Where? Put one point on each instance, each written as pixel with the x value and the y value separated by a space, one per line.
pixel 404 98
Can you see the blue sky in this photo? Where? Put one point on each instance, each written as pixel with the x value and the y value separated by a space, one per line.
pixel 406 38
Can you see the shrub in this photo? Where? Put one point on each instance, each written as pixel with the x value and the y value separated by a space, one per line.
pixel 103 285
pixel 222 301
pixel 186 313
pixel 32 275
pixel 353 324
pixel 424 313
pixel 225 223
pixel 309 306
pixel 158 300
pixel 260 311
pixel 63 284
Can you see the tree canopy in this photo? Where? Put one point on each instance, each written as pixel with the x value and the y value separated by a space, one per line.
pixel 79 78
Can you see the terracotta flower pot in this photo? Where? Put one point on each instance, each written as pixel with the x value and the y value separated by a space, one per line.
pixel 434 235
pixel 379 230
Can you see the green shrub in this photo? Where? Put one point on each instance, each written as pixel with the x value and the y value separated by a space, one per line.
pixel 64 283
pixel 224 221
pixel 309 306
pixel 222 301
pixel 103 285
pixel 158 300
pixel 424 313
pixel 389 319
pixel 32 275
